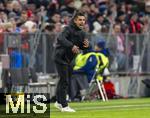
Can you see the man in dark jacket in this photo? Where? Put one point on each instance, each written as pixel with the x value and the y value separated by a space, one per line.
pixel 69 43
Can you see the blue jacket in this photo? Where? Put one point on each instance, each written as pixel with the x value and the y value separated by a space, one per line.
pixel 16 59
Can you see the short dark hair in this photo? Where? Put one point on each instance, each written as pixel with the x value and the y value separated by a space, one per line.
pixel 78 13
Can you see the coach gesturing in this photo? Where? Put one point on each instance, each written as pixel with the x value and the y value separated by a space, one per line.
pixel 69 43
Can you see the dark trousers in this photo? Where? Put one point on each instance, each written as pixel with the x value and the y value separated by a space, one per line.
pixel 64 72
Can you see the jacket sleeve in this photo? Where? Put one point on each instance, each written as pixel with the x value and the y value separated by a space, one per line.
pixel 85 36
pixel 62 39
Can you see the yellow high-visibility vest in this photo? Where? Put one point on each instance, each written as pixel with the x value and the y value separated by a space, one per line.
pixel 103 61
pixel 81 60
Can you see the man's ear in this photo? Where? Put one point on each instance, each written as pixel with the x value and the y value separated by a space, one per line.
pixel 74 20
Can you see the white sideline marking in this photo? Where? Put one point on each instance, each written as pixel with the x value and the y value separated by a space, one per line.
pixel 139 106
pixel 114 106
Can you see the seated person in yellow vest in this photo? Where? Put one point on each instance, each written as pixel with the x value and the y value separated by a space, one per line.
pixel 85 65
pixel 103 73
pixel 102 53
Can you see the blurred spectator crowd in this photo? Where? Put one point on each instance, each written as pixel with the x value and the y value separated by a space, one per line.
pixel 131 16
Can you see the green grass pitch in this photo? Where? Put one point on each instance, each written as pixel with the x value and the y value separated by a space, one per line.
pixel 124 108
pixel 119 108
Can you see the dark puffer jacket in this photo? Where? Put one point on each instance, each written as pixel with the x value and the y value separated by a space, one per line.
pixel 71 35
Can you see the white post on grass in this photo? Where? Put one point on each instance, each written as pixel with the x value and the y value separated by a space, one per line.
pixel 104 91
pixel 100 90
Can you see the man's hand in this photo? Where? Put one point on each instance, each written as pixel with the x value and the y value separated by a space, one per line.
pixel 86 43
pixel 75 49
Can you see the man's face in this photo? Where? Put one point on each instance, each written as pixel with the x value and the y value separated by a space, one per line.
pixel 80 21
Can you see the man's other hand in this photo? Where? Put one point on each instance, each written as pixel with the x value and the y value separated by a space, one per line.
pixel 75 49
pixel 86 43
